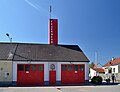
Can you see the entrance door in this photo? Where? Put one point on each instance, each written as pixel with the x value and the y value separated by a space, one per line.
pixel 52 76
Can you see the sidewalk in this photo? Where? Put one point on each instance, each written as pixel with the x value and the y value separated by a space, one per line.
pixel 86 84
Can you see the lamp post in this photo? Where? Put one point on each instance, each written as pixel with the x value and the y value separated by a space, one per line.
pixel 9 37
pixel 10 52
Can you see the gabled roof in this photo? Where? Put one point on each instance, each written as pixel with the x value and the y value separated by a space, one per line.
pixel 98 65
pixel 115 61
pixel 43 52
pixel 6 50
pixel 100 70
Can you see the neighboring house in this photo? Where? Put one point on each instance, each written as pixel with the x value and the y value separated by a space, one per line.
pixel 96 72
pixel 112 67
pixel 92 73
pixel 98 65
pixel 43 64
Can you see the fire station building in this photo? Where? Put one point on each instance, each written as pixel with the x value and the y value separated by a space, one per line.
pixel 49 64
pixel 43 64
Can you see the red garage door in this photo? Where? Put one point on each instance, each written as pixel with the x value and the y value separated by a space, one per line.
pixel 72 74
pixel 29 74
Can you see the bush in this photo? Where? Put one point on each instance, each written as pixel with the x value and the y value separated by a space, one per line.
pixel 96 80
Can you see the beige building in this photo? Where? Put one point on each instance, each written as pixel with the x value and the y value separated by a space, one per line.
pixel 5 71
pixel 6 55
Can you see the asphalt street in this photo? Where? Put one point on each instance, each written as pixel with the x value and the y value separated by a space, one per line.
pixel 106 88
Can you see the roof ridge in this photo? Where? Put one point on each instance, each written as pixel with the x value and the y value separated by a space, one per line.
pixel 111 62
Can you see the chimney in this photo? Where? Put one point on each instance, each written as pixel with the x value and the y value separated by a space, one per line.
pixel 53 31
pixel 113 58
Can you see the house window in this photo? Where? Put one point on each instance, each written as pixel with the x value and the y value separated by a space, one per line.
pixel 110 70
pixel 114 70
pixel 82 68
pixel 69 67
pixel 64 67
pixel 27 67
pixel 20 67
pixel 40 67
pixel 76 67
pixel 33 67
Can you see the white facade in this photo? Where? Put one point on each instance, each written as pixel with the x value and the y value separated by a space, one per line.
pixel 113 68
pixel 47 68
pixel 92 73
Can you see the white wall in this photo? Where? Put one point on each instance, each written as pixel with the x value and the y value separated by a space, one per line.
pixel 115 66
pixel 87 71
pixel 92 73
pixel 47 68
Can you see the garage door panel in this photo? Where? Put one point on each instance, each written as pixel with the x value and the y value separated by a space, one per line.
pixel 74 75
pixel 30 74
pixel 20 74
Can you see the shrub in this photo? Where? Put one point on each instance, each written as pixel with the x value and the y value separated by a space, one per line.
pixel 96 80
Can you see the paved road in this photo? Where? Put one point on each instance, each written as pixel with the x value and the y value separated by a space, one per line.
pixel 110 88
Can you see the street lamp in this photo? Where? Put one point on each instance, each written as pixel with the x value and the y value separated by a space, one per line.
pixel 9 37
pixel 10 53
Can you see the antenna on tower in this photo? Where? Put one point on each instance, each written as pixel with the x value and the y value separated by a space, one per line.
pixel 50 10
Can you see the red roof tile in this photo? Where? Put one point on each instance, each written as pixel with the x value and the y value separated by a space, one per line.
pixel 100 70
pixel 115 61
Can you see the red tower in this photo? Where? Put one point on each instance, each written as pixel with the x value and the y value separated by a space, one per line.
pixel 53 31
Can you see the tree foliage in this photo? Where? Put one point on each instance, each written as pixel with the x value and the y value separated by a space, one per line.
pixel 96 80
pixel 92 65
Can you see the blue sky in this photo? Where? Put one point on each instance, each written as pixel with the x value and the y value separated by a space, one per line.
pixel 92 24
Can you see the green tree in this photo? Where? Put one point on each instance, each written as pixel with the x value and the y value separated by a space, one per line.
pixel 92 65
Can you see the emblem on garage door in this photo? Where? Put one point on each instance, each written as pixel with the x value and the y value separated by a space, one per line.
pixel 52 66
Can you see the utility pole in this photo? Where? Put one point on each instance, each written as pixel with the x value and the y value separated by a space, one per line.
pixel 96 58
